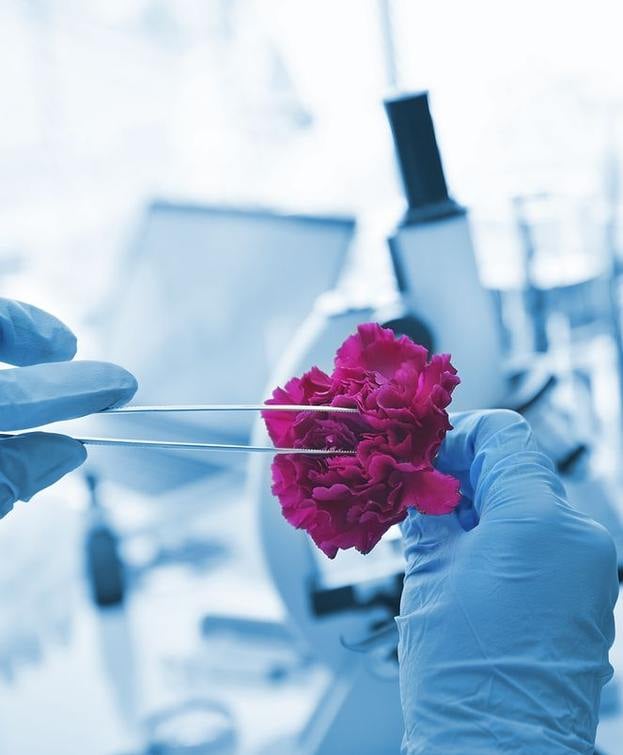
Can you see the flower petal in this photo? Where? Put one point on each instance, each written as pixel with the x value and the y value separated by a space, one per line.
pixel 350 501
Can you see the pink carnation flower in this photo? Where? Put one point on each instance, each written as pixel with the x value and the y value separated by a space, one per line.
pixel 351 501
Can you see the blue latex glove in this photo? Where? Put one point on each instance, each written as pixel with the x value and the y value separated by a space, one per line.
pixel 46 387
pixel 505 628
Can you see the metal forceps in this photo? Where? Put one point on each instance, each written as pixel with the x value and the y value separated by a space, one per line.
pixel 197 408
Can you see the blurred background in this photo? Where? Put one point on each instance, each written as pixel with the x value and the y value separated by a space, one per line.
pixel 214 193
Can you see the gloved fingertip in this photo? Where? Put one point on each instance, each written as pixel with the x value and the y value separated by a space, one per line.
pixel 31 336
pixel 33 461
pixel 60 455
pixel 125 386
pixel 70 453
pixel 66 345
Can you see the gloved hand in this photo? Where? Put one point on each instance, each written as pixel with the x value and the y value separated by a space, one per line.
pixel 46 388
pixel 506 615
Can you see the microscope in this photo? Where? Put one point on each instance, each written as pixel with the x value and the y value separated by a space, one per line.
pixel 347 605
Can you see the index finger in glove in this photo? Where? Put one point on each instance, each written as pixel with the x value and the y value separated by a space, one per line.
pixel 43 393
pixel 28 335
pixel 497 460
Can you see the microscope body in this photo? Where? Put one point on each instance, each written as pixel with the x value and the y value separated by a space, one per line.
pixel 442 305
pixel 435 264
pixel 360 711
pixel 438 278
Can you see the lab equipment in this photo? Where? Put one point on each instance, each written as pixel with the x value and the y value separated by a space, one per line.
pixel 104 566
pixel 197 727
pixel 225 269
pixel 571 292
pixel 522 672
pixel 566 267
pixel 252 650
pixel 433 257
pixel 354 597
pixel 46 387
pixel 542 397
pixel 329 601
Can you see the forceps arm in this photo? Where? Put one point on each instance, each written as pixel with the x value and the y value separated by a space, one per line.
pixel 146 409
pixel 187 445
pixel 177 445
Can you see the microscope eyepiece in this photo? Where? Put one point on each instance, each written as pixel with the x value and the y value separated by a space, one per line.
pixel 417 152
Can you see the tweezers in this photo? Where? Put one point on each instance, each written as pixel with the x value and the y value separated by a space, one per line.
pixel 196 408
